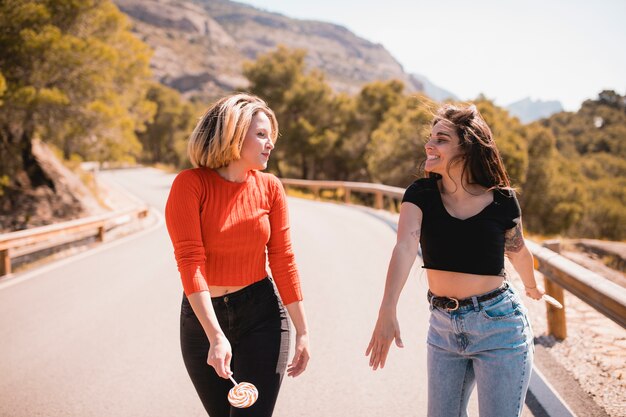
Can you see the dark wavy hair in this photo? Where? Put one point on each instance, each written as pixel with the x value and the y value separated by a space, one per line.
pixel 479 155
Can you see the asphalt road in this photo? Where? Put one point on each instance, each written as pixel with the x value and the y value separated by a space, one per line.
pixel 97 334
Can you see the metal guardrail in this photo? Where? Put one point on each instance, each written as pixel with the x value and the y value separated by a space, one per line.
pixel 561 273
pixel 378 190
pixel 600 293
pixel 39 238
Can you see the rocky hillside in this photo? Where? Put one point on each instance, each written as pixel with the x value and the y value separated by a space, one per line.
pixel 200 45
pixel 64 197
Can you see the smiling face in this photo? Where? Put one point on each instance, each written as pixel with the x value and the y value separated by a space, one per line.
pixel 257 144
pixel 443 148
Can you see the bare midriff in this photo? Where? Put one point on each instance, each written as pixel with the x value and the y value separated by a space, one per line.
pixel 220 291
pixel 459 284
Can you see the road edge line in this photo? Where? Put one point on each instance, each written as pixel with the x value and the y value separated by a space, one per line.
pixel 547 397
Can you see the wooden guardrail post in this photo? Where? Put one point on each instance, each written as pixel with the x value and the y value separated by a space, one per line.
pixel 100 236
pixel 5 262
pixel 316 192
pixel 378 202
pixel 557 326
pixel 346 195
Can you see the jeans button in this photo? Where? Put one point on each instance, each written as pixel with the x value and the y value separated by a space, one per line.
pixel 226 299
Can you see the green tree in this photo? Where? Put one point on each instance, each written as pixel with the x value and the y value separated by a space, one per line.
pixel 599 126
pixel 605 216
pixel 585 195
pixel 165 135
pixel 396 149
pixel 3 86
pixel 304 105
pixel 75 77
pixel 4 179
pixel 371 105
pixel 553 197
pixel 542 153
pixel 508 133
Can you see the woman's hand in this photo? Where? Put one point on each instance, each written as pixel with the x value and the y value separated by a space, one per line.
pixel 301 357
pixel 219 357
pixel 535 292
pixel 387 329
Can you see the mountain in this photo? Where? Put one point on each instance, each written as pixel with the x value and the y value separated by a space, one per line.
pixel 433 91
pixel 528 110
pixel 199 46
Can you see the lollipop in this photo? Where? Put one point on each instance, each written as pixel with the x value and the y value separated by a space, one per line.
pixel 551 300
pixel 242 395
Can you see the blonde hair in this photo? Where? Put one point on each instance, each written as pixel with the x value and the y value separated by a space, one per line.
pixel 218 137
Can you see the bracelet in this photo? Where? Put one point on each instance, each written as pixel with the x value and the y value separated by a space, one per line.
pixel 530 288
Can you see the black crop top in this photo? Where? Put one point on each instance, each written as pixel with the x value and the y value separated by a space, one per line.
pixel 474 245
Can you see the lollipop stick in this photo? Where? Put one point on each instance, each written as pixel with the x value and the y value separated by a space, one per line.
pixel 551 300
pixel 233 380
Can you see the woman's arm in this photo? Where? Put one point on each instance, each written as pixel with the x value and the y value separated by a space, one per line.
pixel 283 265
pixel 522 260
pixel 280 253
pixel 182 217
pixel 220 352
pixel 302 355
pixel 404 253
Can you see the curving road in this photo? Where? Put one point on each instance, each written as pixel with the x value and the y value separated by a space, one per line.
pixel 97 334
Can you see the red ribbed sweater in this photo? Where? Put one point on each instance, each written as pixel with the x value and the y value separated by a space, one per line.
pixel 221 230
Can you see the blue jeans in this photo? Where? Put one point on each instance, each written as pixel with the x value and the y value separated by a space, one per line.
pixel 488 345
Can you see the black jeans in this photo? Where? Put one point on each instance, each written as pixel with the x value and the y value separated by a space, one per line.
pixel 256 325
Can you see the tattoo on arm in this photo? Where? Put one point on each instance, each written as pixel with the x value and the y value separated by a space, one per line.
pixel 514 240
pixel 416 233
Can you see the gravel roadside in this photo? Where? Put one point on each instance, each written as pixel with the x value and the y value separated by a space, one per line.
pixel 594 352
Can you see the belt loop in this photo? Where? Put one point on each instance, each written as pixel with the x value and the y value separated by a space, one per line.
pixel 430 301
pixel 475 302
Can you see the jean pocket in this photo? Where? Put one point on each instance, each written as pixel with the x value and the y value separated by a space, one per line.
pixel 503 309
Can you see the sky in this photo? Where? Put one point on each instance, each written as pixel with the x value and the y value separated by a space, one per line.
pixel 507 50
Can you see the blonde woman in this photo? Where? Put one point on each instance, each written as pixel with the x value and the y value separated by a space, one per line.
pixel 223 217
